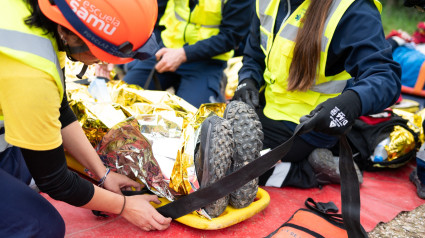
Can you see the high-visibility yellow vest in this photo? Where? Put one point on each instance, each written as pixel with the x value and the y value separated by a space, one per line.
pixel 185 27
pixel 28 45
pixel 282 104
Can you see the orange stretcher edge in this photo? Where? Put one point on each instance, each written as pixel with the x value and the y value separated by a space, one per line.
pixel 417 90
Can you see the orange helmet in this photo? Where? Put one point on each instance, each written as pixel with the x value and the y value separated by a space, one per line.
pixel 116 31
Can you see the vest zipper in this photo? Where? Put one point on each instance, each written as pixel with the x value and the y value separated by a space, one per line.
pixel 184 32
pixel 188 22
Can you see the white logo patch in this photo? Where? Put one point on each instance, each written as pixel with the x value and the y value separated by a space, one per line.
pixel 337 118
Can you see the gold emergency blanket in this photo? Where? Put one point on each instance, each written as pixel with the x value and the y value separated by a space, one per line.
pixel 402 141
pixel 162 119
pixel 125 150
pixel 231 72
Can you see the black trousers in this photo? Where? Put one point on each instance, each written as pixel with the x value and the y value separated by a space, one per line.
pixel 300 174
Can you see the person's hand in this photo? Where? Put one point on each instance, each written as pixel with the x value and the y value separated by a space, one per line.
pixel 141 213
pixel 334 116
pixel 247 92
pixel 169 60
pixel 116 182
pixel 103 70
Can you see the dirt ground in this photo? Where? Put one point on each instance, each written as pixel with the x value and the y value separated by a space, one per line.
pixel 410 224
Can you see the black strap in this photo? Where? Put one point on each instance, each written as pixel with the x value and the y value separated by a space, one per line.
pixel 320 206
pixel 82 72
pixel 154 76
pixel 2 131
pixel 350 189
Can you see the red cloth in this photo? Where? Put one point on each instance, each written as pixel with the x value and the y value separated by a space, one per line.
pixel 402 34
pixel 419 36
pixel 377 118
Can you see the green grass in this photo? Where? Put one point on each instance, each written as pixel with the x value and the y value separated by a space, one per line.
pixel 396 16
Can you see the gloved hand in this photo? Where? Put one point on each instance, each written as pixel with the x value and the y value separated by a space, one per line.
pixel 334 116
pixel 419 4
pixel 247 92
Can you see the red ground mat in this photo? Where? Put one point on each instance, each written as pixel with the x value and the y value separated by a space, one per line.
pixel 383 195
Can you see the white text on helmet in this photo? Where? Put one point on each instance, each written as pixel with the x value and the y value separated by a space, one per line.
pixel 94 16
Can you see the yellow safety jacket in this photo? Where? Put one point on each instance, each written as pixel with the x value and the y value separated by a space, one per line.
pixel 282 104
pixel 28 45
pixel 185 27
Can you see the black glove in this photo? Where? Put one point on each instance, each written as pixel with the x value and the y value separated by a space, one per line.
pixel 419 4
pixel 247 91
pixel 334 116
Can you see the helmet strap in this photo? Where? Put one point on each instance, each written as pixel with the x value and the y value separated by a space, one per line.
pixel 63 46
pixel 70 50
pixel 82 72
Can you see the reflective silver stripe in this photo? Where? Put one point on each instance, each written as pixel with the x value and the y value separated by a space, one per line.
pixel 262 5
pixel 265 20
pixel 335 86
pixel 264 40
pixel 3 144
pixel 32 44
pixel 183 20
pixel 324 43
pixel 332 10
pixel 290 31
pixel 331 87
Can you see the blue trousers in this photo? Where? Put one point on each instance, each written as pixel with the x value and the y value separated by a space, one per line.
pixel 196 82
pixel 24 212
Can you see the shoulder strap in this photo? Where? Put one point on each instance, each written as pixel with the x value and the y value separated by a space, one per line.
pixel 154 76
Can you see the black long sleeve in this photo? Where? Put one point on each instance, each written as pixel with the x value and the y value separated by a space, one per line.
pixel 52 176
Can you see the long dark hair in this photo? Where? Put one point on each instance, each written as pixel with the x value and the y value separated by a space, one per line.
pixel 38 19
pixel 306 60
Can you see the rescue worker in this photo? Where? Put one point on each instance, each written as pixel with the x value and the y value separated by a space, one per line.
pixel 335 68
pixel 36 117
pixel 198 39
